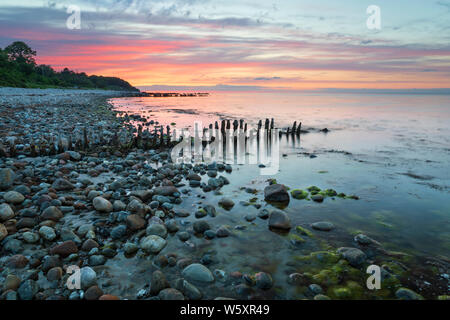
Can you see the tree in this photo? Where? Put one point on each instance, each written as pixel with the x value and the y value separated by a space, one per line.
pixel 20 52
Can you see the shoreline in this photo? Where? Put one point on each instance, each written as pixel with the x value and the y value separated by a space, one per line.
pixel 98 207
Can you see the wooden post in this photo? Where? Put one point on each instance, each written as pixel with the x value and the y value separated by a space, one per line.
pixel 85 139
pixel 299 128
pixel 294 127
pixel 69 142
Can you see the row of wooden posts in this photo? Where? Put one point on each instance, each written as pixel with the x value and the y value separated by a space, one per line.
pixel 158 138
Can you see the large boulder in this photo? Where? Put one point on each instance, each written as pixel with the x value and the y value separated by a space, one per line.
pixel 276 193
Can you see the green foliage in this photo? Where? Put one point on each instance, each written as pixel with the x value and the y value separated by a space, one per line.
pixel 18 69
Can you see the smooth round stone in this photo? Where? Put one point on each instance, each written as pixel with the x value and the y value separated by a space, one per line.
pixel 201 226
pixel 250 217
pixel 47 233
pixel 102 205
pixel 88 277
pixel 153 244
pixel 6 212
pixel 52 213
pixel 30 237
pixel 156 229
pixel 323 226
pixel 226 203
pixel 130 248
pixel 317 198
pixel 172 225
pixel 13 197
pixel 209 234
pixel 200 214
pixel 183 236
pixel 97 260
pixel 279 220
pixel 198 272
pixel 119 231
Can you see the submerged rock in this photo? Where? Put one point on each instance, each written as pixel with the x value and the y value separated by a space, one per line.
pixel 226 203
pixel 198 272
pixel 323 226
pixel 353 255
pixel 407 294
pixel 279 220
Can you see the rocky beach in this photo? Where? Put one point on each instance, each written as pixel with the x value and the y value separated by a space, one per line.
pixel 82 185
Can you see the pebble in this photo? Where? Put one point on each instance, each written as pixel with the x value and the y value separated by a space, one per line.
pixel 48 233
pixel 3 232
pixel 102 205
pixel 13 197
pixel 52 213
pixel 323 226
pixel 88 277
pixel 28 290
pixel 130 248
pixel 7 177
pixel 171 294
pixel 64 249
pixel 152 244
pixel 156 229
pixel 201 226
pixel 188 289
pixel 158 282
pixel 6 212
pixel 93 293
pixel 183 236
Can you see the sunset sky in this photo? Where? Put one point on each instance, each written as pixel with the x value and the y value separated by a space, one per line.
pixel 289 44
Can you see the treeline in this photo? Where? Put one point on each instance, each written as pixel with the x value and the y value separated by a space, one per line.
pixel 18 68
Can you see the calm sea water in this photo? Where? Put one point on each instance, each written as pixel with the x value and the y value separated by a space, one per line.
pixel 393 151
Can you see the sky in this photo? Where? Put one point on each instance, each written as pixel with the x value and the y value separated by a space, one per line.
pixel 269 44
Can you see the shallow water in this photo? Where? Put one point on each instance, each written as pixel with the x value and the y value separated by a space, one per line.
pixel 390 150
